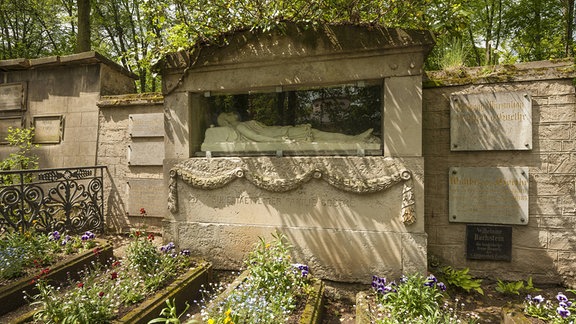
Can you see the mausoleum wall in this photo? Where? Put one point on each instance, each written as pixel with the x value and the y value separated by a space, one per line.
pixel 57 96
pixel 544 241
pixel 131 146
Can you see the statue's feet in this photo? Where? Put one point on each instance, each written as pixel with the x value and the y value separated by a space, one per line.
pixel 365 135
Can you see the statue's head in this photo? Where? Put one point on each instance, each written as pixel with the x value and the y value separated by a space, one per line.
pixel 230 119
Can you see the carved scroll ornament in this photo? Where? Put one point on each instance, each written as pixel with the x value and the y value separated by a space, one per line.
pixel 352 174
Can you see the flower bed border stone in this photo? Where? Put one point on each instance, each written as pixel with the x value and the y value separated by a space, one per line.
pixel 362 308
pixel 186 287
pixel 12 296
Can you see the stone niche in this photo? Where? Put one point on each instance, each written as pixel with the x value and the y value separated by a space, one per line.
pixel 349 212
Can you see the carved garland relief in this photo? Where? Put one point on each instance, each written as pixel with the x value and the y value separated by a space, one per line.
pixel 352 174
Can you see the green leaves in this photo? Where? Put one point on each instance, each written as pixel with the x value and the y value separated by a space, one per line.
pixel 516 287
pixel 461 279
pixel 19 139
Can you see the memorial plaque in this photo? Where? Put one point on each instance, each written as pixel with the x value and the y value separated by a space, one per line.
pixel 143 193
pixel 148 152
pixel 47 129
pixel 496 195
pixel 12 96
pixel 147 125
pixel 5 123
pixel 489 242
pixel 491 121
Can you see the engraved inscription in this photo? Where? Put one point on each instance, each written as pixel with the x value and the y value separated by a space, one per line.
pixel 491 121
pixel 11 96
pixel 489 195
pixel 148 152
pixel 489 242
pixel 219 200
pixel 47 129
pixel 147 125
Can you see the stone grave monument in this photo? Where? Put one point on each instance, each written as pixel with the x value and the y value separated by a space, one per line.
pixel 312 132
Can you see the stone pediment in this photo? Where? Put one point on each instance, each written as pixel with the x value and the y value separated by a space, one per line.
pixel 298 41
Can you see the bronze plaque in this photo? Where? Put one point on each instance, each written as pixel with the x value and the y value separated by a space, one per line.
pixel 485 242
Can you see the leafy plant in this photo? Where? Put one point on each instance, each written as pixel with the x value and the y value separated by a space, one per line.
pixel 461 279
pixel 169 314
pixel 23 159
pixel 515 287
pixel 415 299
pixel 510 287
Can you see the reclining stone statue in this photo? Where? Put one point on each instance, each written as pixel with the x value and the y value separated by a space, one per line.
pixel 253 133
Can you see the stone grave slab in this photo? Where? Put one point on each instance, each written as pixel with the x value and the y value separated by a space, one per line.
pixel 497 195
pixel 144 193
pixel 147 152
pixel 491 121
pixel 5 123
pixel 12 96
pixel 47 129
pixel 146 125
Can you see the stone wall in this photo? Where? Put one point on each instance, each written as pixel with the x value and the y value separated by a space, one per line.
pixel 59 97
pixel 131 145
pixel 543 248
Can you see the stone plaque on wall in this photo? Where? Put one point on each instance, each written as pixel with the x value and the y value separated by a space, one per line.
pixel 47 129
pixel 147 125
pixel 491 121
pixel 12 96
pixel 497 195
pixel 147 152
pixel 144 193
pixel 485 242
pixel 5 123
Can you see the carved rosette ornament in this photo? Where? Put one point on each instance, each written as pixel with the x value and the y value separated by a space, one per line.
pixel 352 174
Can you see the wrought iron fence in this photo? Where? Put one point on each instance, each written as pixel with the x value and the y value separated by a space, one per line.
pixel 63 199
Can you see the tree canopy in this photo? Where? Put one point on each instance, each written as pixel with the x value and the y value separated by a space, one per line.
pixel 137 33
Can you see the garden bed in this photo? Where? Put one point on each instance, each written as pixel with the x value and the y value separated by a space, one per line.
pixel 12 296
pixel 185 287
pixel 310 313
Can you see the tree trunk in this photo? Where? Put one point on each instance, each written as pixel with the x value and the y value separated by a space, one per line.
pixel 569 28
pixel 83 37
